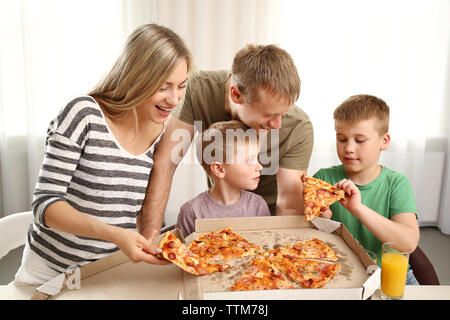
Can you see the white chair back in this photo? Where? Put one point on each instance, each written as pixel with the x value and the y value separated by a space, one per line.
pixel 13 231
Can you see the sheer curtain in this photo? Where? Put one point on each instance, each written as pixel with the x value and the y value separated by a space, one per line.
pixel 50 51
pixel 398 50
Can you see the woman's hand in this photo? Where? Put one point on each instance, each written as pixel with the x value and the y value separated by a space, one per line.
pixel 137 247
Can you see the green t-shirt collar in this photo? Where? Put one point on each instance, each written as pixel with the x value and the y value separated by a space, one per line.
pixel 370 184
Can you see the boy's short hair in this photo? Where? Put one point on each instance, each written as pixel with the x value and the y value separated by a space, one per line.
pixel 220 140
pixel 265 67
pixel 363 107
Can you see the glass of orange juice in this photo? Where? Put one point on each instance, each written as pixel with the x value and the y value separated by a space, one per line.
pixel 394 266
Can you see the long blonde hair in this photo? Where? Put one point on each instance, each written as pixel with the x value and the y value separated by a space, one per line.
pixel 149 56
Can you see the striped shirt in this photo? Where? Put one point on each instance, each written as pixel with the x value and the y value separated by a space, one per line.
pixel 86 167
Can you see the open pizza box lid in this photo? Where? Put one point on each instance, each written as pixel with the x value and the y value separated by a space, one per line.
pixel 358 276
pixel 115 277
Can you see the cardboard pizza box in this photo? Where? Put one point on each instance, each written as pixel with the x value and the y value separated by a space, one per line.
pixel 115 277
pixel 357 277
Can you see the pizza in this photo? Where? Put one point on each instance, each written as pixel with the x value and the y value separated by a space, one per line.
pixel 221 245
pixel 175 251
pixel 295 262
pixel 318 196
pixel 312 249
pixel 306 273
pixel 305 263
pixel 261 275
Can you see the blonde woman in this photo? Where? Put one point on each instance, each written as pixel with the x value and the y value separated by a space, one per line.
pixel 99 155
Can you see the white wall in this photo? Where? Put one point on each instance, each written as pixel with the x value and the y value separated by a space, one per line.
pixel 424 171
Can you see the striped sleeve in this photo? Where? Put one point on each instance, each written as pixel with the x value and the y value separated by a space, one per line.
pixel 64 145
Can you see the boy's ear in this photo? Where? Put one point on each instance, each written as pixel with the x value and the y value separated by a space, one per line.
pixel 217 169
pixel 236 95
pixel 385 141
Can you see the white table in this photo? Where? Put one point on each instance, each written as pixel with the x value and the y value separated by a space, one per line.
pixel 16 293
pixel 411 293
pixel 421 293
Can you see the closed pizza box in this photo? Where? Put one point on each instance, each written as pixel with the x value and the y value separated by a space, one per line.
pixel 115 277
pixel 357 277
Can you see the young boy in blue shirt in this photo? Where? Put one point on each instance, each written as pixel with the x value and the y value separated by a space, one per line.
pixel 380 205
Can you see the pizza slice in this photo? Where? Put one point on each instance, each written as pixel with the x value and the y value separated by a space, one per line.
pixel 306 273
pixel 221 245
pixel 318 196
pixel 261 275
pixel 312 249
pixel 175 251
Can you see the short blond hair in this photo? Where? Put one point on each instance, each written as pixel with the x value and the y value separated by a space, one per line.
pixel 149 56
pixel 231 133
pixel 265 67
pixel 363 107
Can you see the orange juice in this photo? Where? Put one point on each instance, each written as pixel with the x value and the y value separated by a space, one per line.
pixel 394 267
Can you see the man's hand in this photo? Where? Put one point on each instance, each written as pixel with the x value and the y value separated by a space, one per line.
pixel 170 151
pixel 290 192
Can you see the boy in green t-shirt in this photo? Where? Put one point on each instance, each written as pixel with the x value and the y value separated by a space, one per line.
pixel 380 205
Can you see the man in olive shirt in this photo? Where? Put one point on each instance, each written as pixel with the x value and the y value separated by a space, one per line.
pixel 260 91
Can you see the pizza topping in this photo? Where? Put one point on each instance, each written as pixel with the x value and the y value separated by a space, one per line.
pixel 171 244
pixel 171 256
pixel 324 191
pixel 276 275
pixel 289 257
pixel 252 269
pixel 202 270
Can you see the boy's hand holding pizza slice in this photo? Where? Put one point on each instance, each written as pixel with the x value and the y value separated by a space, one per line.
pixel 318 196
